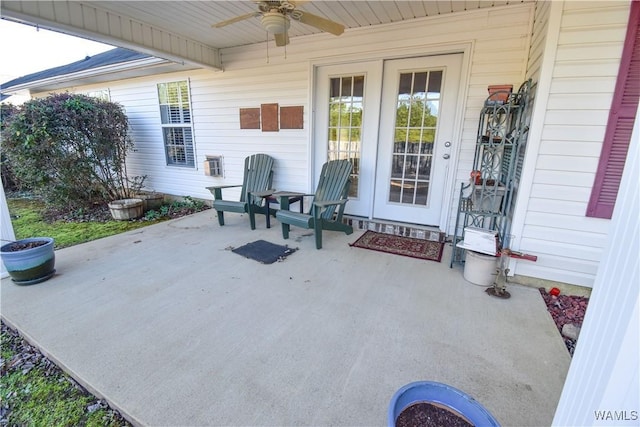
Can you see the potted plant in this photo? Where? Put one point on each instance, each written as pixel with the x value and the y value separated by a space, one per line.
pixel 128 205
pixel 29 261
pixel 151 200
pixel 447 404
pixel 499 94
pixel 126 209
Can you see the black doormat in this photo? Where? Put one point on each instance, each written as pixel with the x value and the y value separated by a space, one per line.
pixel 264 252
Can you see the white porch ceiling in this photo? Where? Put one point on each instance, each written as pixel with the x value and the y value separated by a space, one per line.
pixel 181 30
pixel 193 19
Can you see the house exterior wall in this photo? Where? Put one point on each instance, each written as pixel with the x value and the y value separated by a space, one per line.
pixel 568 128
pixel 496 41
pixel 501 45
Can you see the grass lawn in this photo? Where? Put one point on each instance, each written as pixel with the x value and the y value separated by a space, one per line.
pixel 28 221
pixel 33 391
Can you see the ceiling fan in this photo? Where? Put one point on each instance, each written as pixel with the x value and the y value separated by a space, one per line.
pixel 276 18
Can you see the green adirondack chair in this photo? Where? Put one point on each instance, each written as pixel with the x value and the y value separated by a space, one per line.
pixel 258 174
pixel 328 203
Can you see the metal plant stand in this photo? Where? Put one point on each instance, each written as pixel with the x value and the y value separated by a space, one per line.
pixel 487 200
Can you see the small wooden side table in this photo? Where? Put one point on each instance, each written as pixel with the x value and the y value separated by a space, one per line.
pixel 285 198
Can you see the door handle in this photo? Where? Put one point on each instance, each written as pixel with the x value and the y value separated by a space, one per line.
pixel 445 156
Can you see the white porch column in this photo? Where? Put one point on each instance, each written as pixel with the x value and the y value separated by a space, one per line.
pixel 602 387
pixel 7 228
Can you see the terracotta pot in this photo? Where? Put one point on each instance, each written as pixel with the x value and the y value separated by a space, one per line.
pixel 499 93
pixel 29 265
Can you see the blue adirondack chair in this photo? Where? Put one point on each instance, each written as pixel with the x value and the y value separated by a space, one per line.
pixel 328 203
pixel 258 175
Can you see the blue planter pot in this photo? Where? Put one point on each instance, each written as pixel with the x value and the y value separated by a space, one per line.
pixel 443 395
pixel 32 265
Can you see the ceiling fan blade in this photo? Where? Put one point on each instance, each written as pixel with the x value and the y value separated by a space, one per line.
pixel 282 39
pixel 236 19
pixel 321 23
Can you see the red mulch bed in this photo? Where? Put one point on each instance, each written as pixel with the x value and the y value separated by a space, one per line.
pixel 566 309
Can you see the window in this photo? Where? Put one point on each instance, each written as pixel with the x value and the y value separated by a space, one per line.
pixel 620 124
pixel 175 116
pixel 102 94
pixel 346 107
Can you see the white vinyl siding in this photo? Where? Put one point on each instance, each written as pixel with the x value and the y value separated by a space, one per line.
pixel 499 40
pixel 568 244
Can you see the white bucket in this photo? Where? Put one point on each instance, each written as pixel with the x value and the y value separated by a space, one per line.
pixel 479 268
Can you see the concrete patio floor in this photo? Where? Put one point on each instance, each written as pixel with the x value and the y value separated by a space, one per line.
pixel 172 328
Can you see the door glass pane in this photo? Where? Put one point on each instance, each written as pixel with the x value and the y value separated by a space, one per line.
pixel 358 86
pixel 399 141
pixel 415 129
pixel 394 190
pixel 397 166
pixel 435 83
pixel 346 105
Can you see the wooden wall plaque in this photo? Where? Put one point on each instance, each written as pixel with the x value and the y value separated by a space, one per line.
pixel 249 118
pixel 291 117
pixel 269 117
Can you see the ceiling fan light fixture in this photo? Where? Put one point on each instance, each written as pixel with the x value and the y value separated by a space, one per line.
pixel 275 22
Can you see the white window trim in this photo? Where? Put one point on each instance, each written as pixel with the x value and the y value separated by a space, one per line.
pixel 178 125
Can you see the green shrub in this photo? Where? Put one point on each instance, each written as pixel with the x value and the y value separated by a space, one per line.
pixel 9 180
pixel 70 149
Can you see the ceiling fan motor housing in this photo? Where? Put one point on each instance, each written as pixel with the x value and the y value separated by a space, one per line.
pixel 275 17
pixel 275 22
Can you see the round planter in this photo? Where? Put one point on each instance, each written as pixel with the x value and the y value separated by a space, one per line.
pixel 151 201
pixel 31 265
pixel 479 269
pixel 126 209
pixel 441 395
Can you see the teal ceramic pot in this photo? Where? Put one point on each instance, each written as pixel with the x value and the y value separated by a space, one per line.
pixel 27 266
pixel 442 395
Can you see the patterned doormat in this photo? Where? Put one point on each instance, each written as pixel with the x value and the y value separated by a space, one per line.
pixel 400 245
pixel 264 252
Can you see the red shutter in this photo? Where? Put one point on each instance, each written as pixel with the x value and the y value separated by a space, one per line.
pixel 620 125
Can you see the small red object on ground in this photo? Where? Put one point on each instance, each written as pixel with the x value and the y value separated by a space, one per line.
pixel 554 291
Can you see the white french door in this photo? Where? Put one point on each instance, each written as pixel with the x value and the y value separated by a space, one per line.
pixel 394 120
pixel 347 113
pixel 416 137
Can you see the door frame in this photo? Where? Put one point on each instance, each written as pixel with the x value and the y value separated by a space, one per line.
pixel 465 48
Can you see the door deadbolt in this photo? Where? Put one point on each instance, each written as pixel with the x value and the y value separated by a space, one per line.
pixel 445 156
